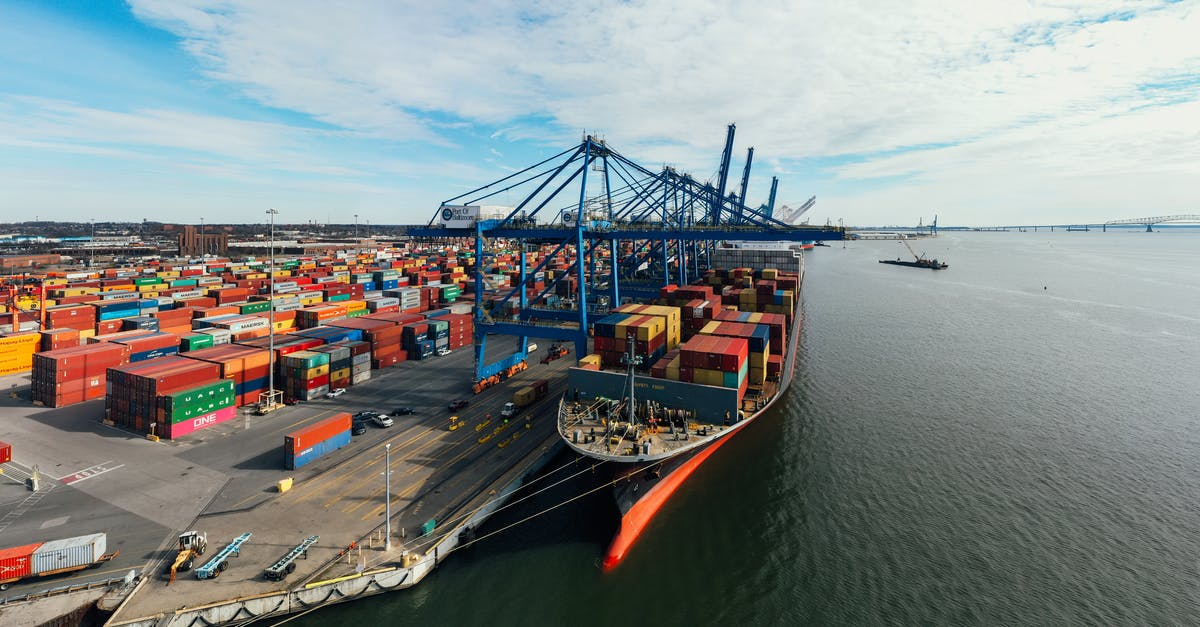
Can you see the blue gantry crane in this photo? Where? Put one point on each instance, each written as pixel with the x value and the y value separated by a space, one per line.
pixel 631 230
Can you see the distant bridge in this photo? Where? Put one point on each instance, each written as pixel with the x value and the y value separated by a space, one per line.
pixel 1150 222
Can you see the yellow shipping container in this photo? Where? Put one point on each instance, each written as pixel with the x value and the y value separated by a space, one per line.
pixel 285 325
pixel 313 373
pixel 256 275
pixel 167 274
pixel 84 334
pixel 355 305
pixel 757 376
pixel 673 369
pixel 311 300
pixel 590 360
pixel 343 373
pixel 770 274
pixel 16 352
pixel 54 282
pixel 705 376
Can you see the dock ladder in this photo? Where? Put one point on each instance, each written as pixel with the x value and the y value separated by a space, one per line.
pixel 287 564
pixel 219 562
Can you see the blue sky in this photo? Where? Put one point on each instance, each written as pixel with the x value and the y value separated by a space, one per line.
pixel 982 112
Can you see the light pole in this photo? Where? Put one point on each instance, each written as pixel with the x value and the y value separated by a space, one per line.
pixel 271 315
pixel 203 245
pixel 91 246
pixel 387 496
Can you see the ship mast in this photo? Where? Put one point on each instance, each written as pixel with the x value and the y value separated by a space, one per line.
pixel 631 361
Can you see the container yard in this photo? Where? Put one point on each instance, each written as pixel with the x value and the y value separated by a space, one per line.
pixel 157 379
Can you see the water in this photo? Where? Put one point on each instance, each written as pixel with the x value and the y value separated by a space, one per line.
pixel 1012 440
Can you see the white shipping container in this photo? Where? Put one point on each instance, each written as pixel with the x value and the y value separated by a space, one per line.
pixel 288 305
pixel 68 553
pixel 360 377
pixel 237 326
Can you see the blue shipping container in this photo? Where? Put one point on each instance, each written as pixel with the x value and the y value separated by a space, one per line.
pixel 314 452
pixel 153 354
pixel 139 322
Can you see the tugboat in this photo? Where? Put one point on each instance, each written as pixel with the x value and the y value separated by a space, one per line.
pixel 919 261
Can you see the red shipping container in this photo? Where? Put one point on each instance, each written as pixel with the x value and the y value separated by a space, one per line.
pixel 318 432
pixel 5 455
pixel 316 382
pixel 17 561
pixel 106 327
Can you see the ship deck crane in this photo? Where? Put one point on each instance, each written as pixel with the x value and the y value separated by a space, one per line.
pixel 622 230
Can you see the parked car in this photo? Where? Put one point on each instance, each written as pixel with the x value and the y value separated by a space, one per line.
pixel 442 352
pixel 358 427
pixel 457 404
pixel 336 392
pixel 403 411
pixel 382 420
pixel 363 416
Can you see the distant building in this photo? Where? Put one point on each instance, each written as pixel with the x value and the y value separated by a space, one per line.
pixel 194 244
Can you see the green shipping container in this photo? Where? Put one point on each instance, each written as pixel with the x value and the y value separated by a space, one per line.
pixel 355 314
pixel 197 401
pixel 196 342
pixel 146 281
pixel 338 297
pixel 182 282
pixel 305 360
pixel 256 307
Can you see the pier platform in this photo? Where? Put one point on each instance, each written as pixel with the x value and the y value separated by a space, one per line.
pixel 224 482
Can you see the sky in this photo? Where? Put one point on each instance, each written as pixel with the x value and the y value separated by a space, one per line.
pixel 982 113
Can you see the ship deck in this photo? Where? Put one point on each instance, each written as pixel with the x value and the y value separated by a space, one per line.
pixel 588 430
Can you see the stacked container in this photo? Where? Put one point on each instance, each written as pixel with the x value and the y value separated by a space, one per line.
pixel 461 329
pixel 247 367
pixel 305 375
pixel 80 317
pixel 16 352
pixel 339 364
pixel 317 315
pixel 360 361
pixel 306 445
pixel 187 410
pixel 416 341
pixel 612 333
pixel 73 375
pixel 715 360
pixel 133 390
pixel 758 339
pixel 149 346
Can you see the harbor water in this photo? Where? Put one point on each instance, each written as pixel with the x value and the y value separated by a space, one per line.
pixel 1013 440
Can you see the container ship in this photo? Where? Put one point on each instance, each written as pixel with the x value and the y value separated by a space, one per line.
pixel 668 384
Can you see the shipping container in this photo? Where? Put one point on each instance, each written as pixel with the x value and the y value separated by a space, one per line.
pixel 17 562
pixel 69 553
pixel 308 436
pixel 294 459
pixel 5 452
pixel 184 427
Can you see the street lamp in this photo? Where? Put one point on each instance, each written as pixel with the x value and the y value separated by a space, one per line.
pixel 356 226
pixel 387 496
pixel 271 315
pixel 91 246
pixel 203 245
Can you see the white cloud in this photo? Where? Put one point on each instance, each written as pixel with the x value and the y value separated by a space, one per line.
pixel 1022 92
